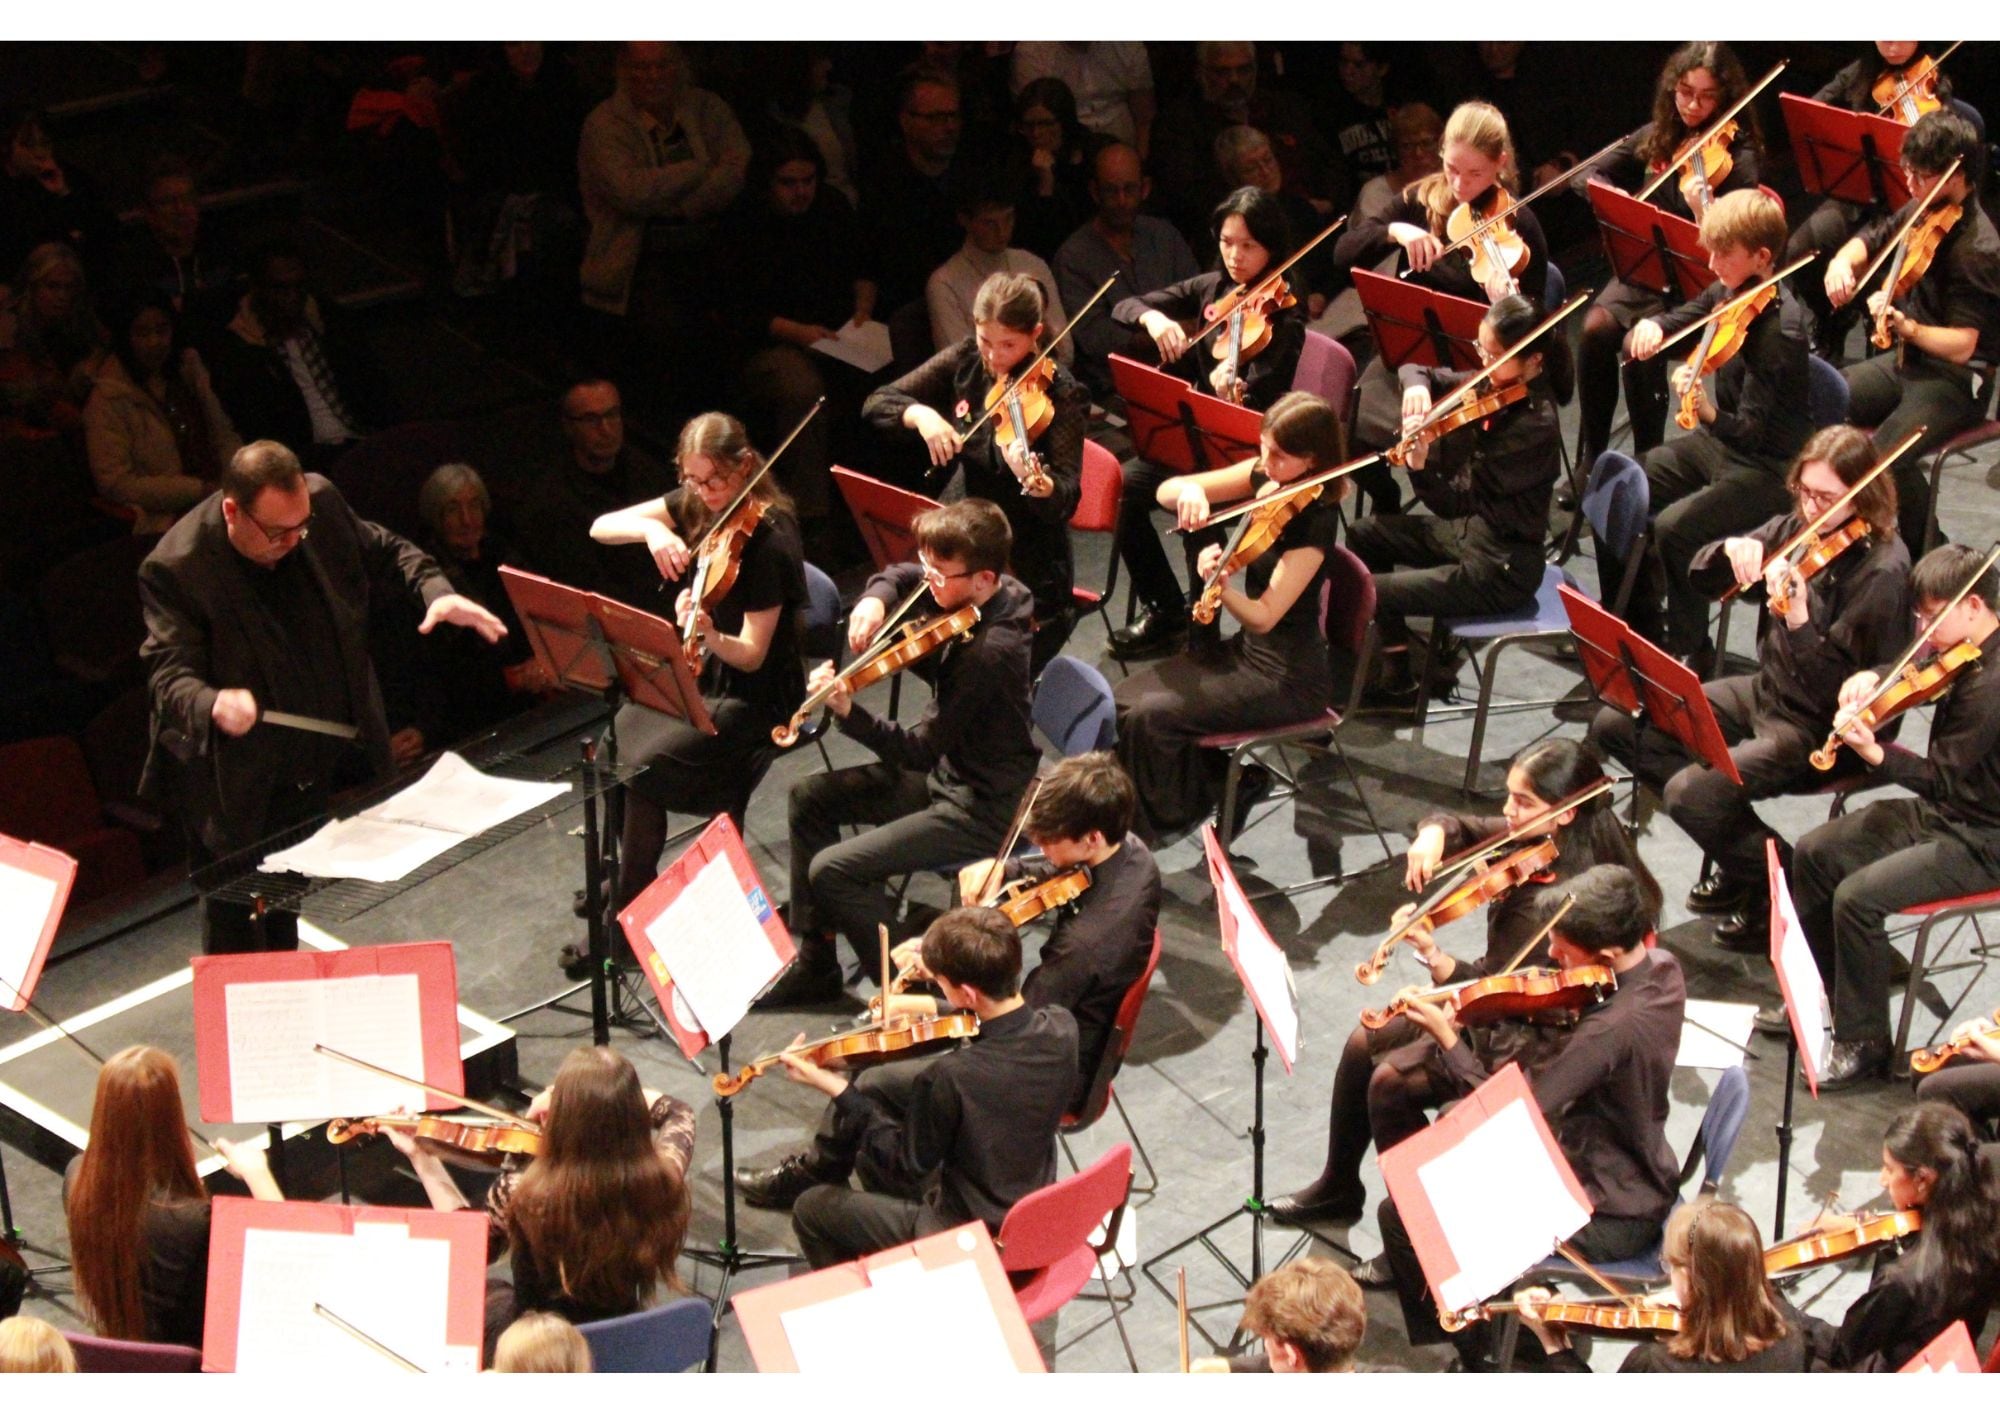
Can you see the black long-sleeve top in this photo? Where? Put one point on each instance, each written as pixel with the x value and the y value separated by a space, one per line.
pixel 1763 407
pixel 975 738
pixel 1857 613
pixel 1603 1086
pixel 1904 1309
pixel 1366 240
pixel 1503 470
pixel 978 1133
pixel 1623 168
pixel 1266 378
pixel 1960 774
pixel 1961 289
pixel 796 267
pixel 1853 87
pixel 1513 918
pixel 954 384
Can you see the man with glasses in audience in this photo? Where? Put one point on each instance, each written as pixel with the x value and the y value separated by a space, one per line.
pixel 257 607
pixel 908 197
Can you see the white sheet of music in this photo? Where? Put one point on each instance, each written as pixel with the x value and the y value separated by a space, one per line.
pixel 717 952
pixel 1726 1023
pixel 453 796
pixel 377 851
pixel 380 1280
pixel 25 900
pixel 1805 986
pixel 1270 974
pixel 942 1318
pixel 1502 1166
pixel 274 1073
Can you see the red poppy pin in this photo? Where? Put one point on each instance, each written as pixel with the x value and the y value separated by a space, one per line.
pixel 963 410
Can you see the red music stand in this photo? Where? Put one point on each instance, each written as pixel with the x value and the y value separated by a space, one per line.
pixel 1176 425
pixel 34 889
pixel 1951 1353
pixel 883 513
pixel 1647 247
pixel 1412 324
pixel 1849 156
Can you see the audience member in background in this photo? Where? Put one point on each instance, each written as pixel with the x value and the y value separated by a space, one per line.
pixel 805 99
pixel 1355 114
pixel 986 212
pixel 1144 252
pixel 287 372
pixel 31 1346
pixel 1053 152
pixel 1309 1317
pixel 541 1343
pixel 51 346
pixel 1111 81
pixel 1415 132
pixel 908 195
pixel 1244 158
pixel 39 200
pixel 156 436
pixel 167 250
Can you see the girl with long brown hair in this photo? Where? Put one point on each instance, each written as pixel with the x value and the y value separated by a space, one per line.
pixel 138 1214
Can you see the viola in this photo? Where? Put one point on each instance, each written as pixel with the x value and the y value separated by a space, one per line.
pixel 1027 410
pixel 1817 1248
pixel 1721 341
pixel 1477 408
pixel 1914 686
pixel 1257 534
pixel 1917 248
pixel 1906 94
pixel 1023 901
pixel 1825 550
pixel 885 659
pixel 1487 883
pixel 1508 996
pixel 475 1136
pixel 1498 252
pixel 1931 1058
pixel 1247 327
pixel 900 1036
pixel 1603 1314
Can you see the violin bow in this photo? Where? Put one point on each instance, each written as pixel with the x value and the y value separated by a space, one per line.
pixel 1612 1288
pixel 882 937
pixel 409 1366
pixel 1479 375
pixel 1723 309
pixel 1243 291
pixel 1715 126
pixel 1917 212
pixel 1475 232
pixel 1842 720
pixel 1923 71
pixel 743 495
pixel 1288 490
pixel 466 1101
pixel 987 892
pixel 1014 379
pixel 1466 858
pixel 1568 902
pixel 1825 517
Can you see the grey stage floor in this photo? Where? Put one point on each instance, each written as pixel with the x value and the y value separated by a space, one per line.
pixel 1187 1085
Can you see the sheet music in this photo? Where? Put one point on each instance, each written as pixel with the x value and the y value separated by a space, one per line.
pixel 942 1317
pixel 714 947
pixel 274 1073
pixel 380 1280
pixel 25 900
pixel 865 346
pixel 1702 1050
pixel 453 796
pixel 378 851
pixel 1804 988
pixel 1502 1166
pixel 1270 974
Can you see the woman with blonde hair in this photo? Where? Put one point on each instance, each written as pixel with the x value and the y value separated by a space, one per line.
pixel 31 1346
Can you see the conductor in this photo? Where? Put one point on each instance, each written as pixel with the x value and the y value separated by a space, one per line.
pixel 264 702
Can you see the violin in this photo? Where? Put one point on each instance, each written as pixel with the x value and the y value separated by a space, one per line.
pixel 1809 552
pixel 1256 535
pixel 475 1136
pixel 1720 341
pixel 1508 996
pixel 1488 883
pixel 1915 251
pixel 884 659
pixel 1932 1057
pixel 1603 1314
pixel 1914 686
pixel 899 1036
pixel 1474 409
pixel 1023 901
pixel 1817 1248
pixel 1825 550
pixel 1908 93
pixel 1498 252
pixel 1028 411
pixel 1704 160
pixel 1246 320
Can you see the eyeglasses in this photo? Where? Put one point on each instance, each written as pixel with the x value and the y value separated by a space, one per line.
pixel 1810 496
pixel 1687 93
pixel 277 533
pixel 596 419
pixel 936 576
pixel 705 483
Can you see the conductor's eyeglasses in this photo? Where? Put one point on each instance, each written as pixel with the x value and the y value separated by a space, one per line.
pixel 277 533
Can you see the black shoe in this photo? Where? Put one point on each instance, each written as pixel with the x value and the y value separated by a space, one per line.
pixel 1701 662
pixel 575 960
pixel 1253 788
pixel 778 1186
pixel 1375 1274
pixel 1854 1063
pixel 1391 687
pixel 1719 893
pixel 1774 1020
pixel 1748 931
pixel 812 980
pixel 1156 631
pixel 1292 1212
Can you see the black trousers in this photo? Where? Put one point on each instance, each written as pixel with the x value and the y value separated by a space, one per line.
pixel 1612 314
pixel 837 884
pixel 835 1151
pixel 686 770
pixel 1850 874
pixel 230 927
pixel 1701 492
pixel 1896 401
pixel 1140 544
pixel 1457 567
pixel 1971 1085
pixel 1825 230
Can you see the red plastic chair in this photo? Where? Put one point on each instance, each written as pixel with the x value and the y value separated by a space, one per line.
pixel 1045 1244
pixel 1101 1096
pixel 96 1355
pixel 1097 511
pixel 1954 911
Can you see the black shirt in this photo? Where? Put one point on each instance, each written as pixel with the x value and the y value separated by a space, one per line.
pixel 1622 168
pixel 1365 241
pixel 1904 1309
pixel 313 678
pixel 978 1133
pixel 1293 650
pixel 553 529
pixel 770 575
pixel 1961 289
pixel 1961 772
pixel 796 267
pixel 173 1265
pixel 1763 404
pixel 1266 378
pixel 1503 471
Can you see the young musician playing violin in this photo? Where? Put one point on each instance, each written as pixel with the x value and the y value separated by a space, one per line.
pixel 1399 1055
pixel 1945 328
pixel 1252 236
pixel 1853 612
pixel 1853 872
pixel 1488 488
pixel 972 1133
pixel 1267 674
pixel 1728 474
pixel 751 673
pixel 1035 484
pixel 1932 1162
pixel 1698 81
pixel 1970 1078
pixel 1602 1084
pixel 945 789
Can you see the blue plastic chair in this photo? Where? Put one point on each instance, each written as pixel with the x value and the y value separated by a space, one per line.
pixel 664 1340
pixel 1073 707
pixel 822 636
pixel 1826 392
pixel 1617 505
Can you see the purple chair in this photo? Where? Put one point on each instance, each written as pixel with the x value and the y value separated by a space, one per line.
pixel 97 1355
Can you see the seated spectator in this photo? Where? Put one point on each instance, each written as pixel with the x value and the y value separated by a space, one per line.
pixel 1111 81
pixel 541 1343
pixel 31 1346
pixel 908 194
pixel 1052 153
pixel 805 98
pixel 167 250
pixel 1244 158
pixel 285 370
pixel 1355 113
pixel 50 346
pixel 1417 133
pixel 40 200
pixel 156 436
pixel 986 213
pixel 1144 252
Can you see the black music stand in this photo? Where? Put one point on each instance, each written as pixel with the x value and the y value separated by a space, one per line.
pixel 1413 324
pixel 1853 157
pixel 1175 425
pixel 1647 247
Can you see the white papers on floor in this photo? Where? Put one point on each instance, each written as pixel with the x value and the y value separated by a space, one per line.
pixel 941 1320
pixel 1714 1034
pixel 274 1073
pixel 1540 1211
pixel 380 1280
pixel 715 949
pixel 25 900
pixel 390 841
pixel 866 346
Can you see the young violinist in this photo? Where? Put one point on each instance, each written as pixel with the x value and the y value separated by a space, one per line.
pixel 1852 872
pixel 1036 484
pixel 1252 237
pixel 1602 1084
pixel 1945 330
pixel 1728 473
pixel 971 1134
pixel 1487 487
pixel 1932 1162
pixel 1265 675
pixel 1698 82
pixel 1853 612
pixel 944 790
pixel 1399 1057
pixel 1970 1080
pixel 751 674
pixel 1308 1317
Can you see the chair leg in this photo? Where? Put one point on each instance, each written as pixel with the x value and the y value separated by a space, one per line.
pixel 1346 765
pixel 1479 716
pixel 1226 822
pixel 1152 1183
pixel 1918 951
pixel 1118 1321
pixel 1440 635
pixel 1068 1153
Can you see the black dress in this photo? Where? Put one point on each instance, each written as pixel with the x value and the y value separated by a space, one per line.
pixel 1254 680
pixel 1903 1310
pixel 1266 378
pixel 173 1265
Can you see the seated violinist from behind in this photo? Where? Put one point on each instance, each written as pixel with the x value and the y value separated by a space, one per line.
pixel 1309 1318
pixel 1602 1084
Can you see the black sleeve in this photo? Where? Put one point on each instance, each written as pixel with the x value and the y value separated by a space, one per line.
pixel 1184 299
pixel 1746 167
pixel 1825 652
pixel 1774 376
pixel 1708 569
pixel 1268 376
pixel 1839 90
pixel 906 1153
pixel 1879 1318
pixel 1367 240
pixel 761 576
pixel 1620 167
pixel 1873 235
pixel 932 383
pixel 1680 316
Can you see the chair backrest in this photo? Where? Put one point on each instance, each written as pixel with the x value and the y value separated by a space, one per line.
pixel 95 1355
pixel 90 606
pixel 1117 1044
pixel 822 629
pixel 1721 1123
pixel 1616 502
pixel 1327 368
pixel 1347 605
pixel 1073 707
pixel 49 795
pixel 1826 392
pixel 663 1340
pixel 1555 288
pixel 1053 1222
pixel 1103 481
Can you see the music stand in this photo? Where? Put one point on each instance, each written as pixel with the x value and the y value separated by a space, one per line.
pixel 35 883
pixel 1412 324
pixel 1852 157
pixel 883 514
pixel 1175 425
pixel 1647 247
pixel 1809 1036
